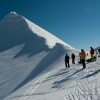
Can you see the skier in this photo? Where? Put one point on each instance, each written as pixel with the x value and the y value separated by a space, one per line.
pixel 67 61
pixel 83 57
pixel 73 58
pixel 92 53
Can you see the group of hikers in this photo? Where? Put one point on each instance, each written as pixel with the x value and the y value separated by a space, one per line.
pixel 82 56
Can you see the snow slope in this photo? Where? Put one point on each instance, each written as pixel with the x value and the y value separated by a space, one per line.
pixel 63 84
pixel 26 53
pixel 32 65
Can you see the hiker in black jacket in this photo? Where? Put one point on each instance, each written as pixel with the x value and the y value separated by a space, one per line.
pixel 67 61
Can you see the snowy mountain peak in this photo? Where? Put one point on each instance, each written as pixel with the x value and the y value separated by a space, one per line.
pixel 12 17
pixel 20 30
pixel 25 53
pixel 13 14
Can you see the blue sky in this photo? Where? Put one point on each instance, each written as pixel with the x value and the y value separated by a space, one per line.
pixel 77 22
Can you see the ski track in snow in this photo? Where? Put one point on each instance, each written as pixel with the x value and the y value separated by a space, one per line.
pixel 32 90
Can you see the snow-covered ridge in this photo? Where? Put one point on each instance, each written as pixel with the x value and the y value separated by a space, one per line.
pixel 11 17
pixel 51 40
pixel 12 14
pixel 15 27
pixel 97 48
pixel 26 52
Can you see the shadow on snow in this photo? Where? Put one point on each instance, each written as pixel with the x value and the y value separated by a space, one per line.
pixel 44 64
pixel 58 83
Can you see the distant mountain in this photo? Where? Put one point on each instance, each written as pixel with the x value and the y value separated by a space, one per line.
pixel 97 48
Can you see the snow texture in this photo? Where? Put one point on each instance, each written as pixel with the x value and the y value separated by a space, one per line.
pixel 32 65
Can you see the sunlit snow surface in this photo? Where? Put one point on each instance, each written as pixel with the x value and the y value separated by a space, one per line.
pixel 32 65
pixel 62 84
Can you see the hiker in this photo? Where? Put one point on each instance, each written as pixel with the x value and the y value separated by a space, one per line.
pixel 67 61
pixel 83 57
pixel 73 58
pixel 92 53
